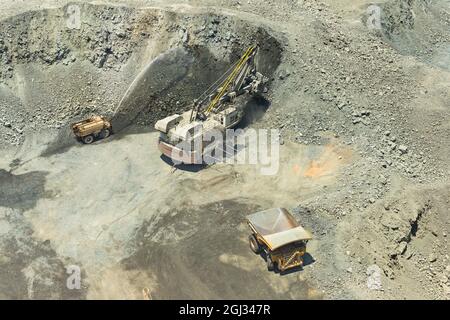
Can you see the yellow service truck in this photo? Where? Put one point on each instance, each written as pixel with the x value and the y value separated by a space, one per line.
pixel 276 233
pixel 93 128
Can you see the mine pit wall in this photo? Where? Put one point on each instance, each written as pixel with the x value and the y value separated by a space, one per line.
pixel 418 28
pixel 52 74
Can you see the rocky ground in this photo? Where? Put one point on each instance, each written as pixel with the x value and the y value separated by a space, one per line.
pixel 364 120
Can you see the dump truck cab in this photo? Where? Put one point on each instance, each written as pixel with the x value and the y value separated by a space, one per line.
pixel 89 129
pixel 280 236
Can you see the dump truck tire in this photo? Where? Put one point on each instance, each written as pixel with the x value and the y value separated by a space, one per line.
pixel 88 139
pixel 105 133
pixel 270 264
pixel 254 245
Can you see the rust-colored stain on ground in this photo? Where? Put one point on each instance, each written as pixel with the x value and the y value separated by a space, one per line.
pixel 317 169
pixel 326 163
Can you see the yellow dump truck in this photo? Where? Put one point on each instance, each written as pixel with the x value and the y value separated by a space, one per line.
pixel 280 236
pixel 90 129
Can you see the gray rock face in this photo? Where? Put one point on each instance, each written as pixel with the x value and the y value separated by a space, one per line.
pixel 160 74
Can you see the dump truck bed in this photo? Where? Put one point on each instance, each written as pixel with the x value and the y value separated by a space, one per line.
pixel 277 227
pixel 89 126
